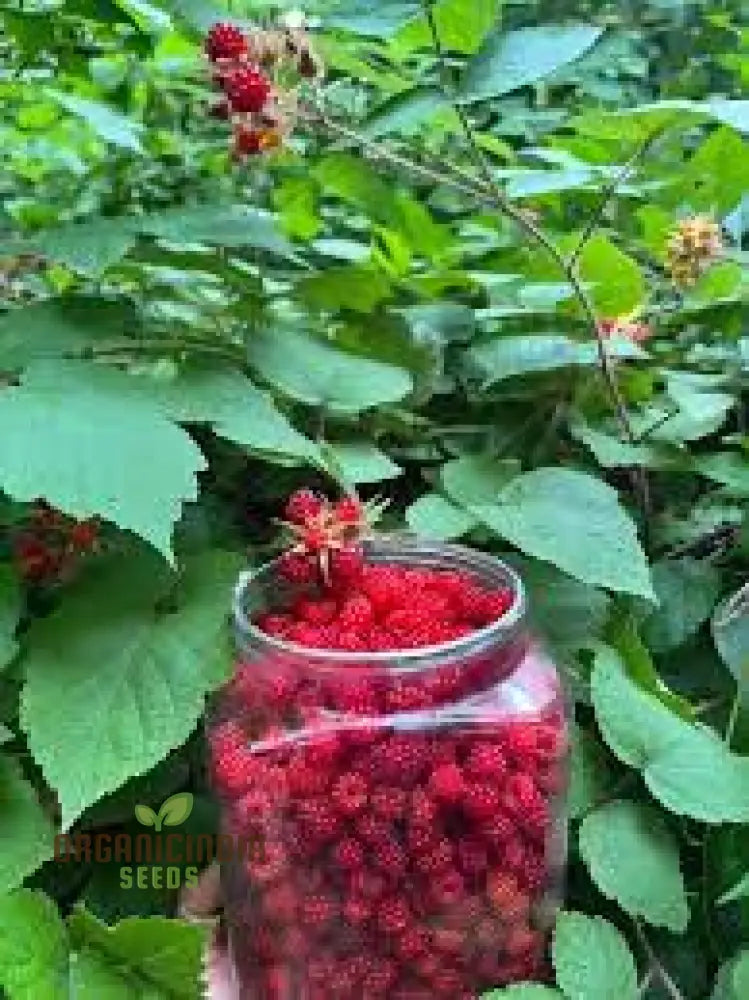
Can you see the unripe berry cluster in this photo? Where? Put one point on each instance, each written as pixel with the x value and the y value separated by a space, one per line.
pixel 693 246
pixel 47 549
pixel 256 71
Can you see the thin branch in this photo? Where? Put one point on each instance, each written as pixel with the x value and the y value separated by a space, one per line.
pixel 610 191
pixel 657 966
pixel 646 983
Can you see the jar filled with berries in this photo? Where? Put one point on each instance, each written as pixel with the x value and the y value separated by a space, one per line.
pixel 393 748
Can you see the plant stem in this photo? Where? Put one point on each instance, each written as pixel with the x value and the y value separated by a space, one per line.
pixel 657 967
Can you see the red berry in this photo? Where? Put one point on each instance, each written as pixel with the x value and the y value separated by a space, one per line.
pixel 295 567
pixel 348 854
pixel 438 858
pixel 350 794
pixel 349 510
pixel 393 916
pixel 486 761
pixel 481 801
pixel 318 910
pixel 356 614
pixel 303 506
pixel 390 803
pixel 247 90
pixel 423 810
pixel 390 858
pixel 346 565
pixel 225 41
pixel 447 784
pixel 357 910
pixel 83 535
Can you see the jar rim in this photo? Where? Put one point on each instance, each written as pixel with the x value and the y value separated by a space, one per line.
pixel 503 628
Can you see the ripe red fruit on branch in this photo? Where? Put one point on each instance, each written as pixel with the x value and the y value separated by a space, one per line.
pixel 225 41
pixel 247 90
pixel 302 506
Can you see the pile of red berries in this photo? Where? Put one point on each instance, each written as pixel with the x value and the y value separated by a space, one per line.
pixel 244 64
pixel 50 544
pixel 403 814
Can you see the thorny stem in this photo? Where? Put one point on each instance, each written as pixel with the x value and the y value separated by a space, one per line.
pixel 657 967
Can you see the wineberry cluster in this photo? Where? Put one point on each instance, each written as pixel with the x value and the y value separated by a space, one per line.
pixel 403 810
pixel 48 547
pixel 256 72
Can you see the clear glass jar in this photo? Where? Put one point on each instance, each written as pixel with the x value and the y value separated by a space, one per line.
pixel 405 809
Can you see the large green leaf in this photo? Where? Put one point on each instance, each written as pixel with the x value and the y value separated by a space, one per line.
pixel 685 766
pixel 728 468
pixel 633 858
pixel 592 959
pixel 477 479
pixel 86 449
pixel 461 27
pixel 33 948
pixel 235 408
pixel 111 126
pixel 504 357
pixel 574 521
pixel 514 59
pixel 26 834
pixel 219 224
pixel 320 375
pixel 89 247
pixel 618 282
pixel 435 517
pixel 357 463
pixel 151 958
pixel 46 330
pixel 107 671
pixel 731 633
pixel 687 591
pixel 10 608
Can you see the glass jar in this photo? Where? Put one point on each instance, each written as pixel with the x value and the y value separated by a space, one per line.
pixel 403 811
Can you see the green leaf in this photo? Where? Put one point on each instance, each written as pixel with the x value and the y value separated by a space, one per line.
pixel 351 286
pixel 111 126
pixel 686 767
pixel 105 670
pixel 89 247
pixel 613 453
pixel 219 225
pixel 153 958
pixel 730 628
pixel 406 113
pixel 295 198
pixel 634 859
pixel 687 591
pixel 514 59
pixel 361 463
pixel 320 375
pixel 27 838
pixel 460 28
pixel 44 330
pixel 740 976
pixel 591 777
pixel 176 809
pixel 81 447
pixel 145 815
pixel 619 285
pixel 435 517
pixel 568 613
pixel 728 468
pixel 33 948
pixel 505 357
pixel 715 178
pixel 477 479
pixel 574 521
pixel 10 609
pixel 592 959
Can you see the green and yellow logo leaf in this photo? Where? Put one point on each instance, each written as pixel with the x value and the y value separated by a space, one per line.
pixel 174 811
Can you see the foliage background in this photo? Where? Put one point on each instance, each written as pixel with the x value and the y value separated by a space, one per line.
pixel 184 340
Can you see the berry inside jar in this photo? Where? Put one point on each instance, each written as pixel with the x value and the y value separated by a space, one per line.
pixel 393 747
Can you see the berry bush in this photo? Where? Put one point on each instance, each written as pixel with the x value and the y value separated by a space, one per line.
pixel 479 268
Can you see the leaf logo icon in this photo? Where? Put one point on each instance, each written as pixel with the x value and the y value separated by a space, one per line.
pixel 175 810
